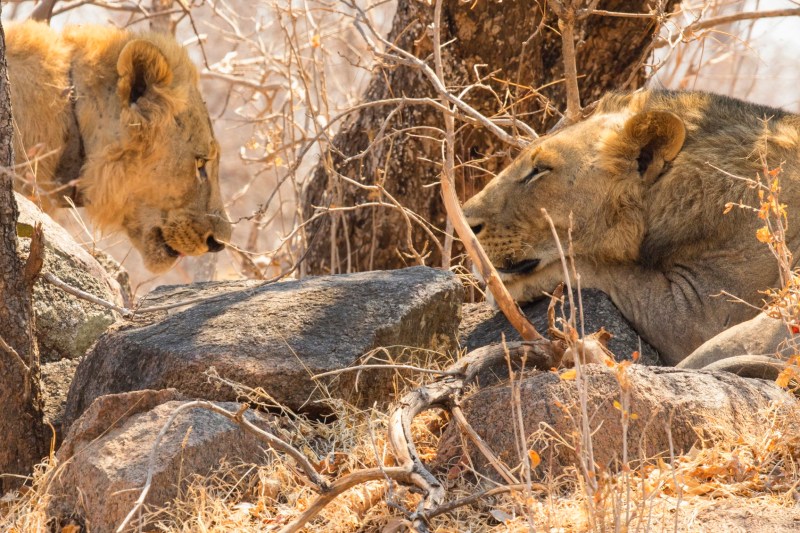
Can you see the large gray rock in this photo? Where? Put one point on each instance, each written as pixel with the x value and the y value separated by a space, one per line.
pixel 106 455
pixel 275 336
pixel 66 326
pixel 760 335
pixel 484 324
pixel 667 403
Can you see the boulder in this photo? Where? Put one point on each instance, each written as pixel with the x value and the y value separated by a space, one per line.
pixel 66 326
pixel 664 403
pixel 106 456
pixel 276 337
pixel 731 515
pixel 484 324
pixel 760 335
pixel 109 412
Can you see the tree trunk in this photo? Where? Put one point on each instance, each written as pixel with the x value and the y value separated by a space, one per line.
pixel 507 40
pixel 22 434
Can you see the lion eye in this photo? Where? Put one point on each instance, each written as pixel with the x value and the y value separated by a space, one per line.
pixel 201 167
pixel 534 174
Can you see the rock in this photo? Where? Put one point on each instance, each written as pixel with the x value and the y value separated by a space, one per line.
pixel 55 380
pixel 118 273
pixel 105 457
pixel 275 336
pixel 733 515
pixel 761 335
pixel 66 326
pixel 109 412
pixel 661 400
pixel 484 324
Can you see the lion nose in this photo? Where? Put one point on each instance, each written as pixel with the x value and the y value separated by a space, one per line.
pixel 213 244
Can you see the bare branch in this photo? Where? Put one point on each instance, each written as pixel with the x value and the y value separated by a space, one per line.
pixel 55 280
pixel 456 215
pixel 566 25
pixel 688 32
pixel 345 483
pixel 43 11
pixel 472 498
pixel 472 368
pixel 13 353
pixel 736 17
pixel 33 266
pixel 403 57
pixel 391 366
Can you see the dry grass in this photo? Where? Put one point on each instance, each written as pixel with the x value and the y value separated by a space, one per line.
pixel 756 471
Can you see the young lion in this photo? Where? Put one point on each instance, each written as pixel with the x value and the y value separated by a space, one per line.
pixel 647 179
pixel 124 132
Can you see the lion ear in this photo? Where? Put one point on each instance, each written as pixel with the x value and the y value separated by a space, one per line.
pixel 658 137
pixel 144 78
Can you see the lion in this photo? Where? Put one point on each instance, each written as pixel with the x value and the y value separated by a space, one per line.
pixel 123 131
pixel 648 188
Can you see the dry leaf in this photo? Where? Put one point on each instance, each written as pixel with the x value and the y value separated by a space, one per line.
pixel 500 516
pixel 534 458
pixel 763 235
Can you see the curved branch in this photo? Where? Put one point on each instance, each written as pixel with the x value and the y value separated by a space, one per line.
pixel 541 354
pixel 341 485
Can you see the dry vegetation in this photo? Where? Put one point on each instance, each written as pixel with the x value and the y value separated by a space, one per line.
pixel 281 77
pixel 742 481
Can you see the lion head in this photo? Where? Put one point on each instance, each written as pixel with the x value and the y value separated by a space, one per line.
pixel 152 162
pixel 591 178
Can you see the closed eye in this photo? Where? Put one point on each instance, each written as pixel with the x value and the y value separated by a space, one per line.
pixel 534 174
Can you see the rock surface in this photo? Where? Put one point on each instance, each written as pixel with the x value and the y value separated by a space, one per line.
pixel 67 326
pixel 483 324
pixel 275 336
pixel 55 379
pixel 663 402
pixel 761 335
pixel 106 455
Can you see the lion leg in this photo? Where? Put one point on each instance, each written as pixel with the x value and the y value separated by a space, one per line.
pixel 750 366
pixel 671 310
pixel 759 336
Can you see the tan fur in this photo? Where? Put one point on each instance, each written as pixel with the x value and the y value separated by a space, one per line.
pixel 144 127
pixel 648 227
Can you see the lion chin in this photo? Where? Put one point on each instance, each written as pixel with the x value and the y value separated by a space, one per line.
pixel 158 256
pixel 128 124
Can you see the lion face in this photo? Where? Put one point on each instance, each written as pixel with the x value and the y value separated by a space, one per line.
pixel 591 178
pixel 178 210
pixel 155 173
